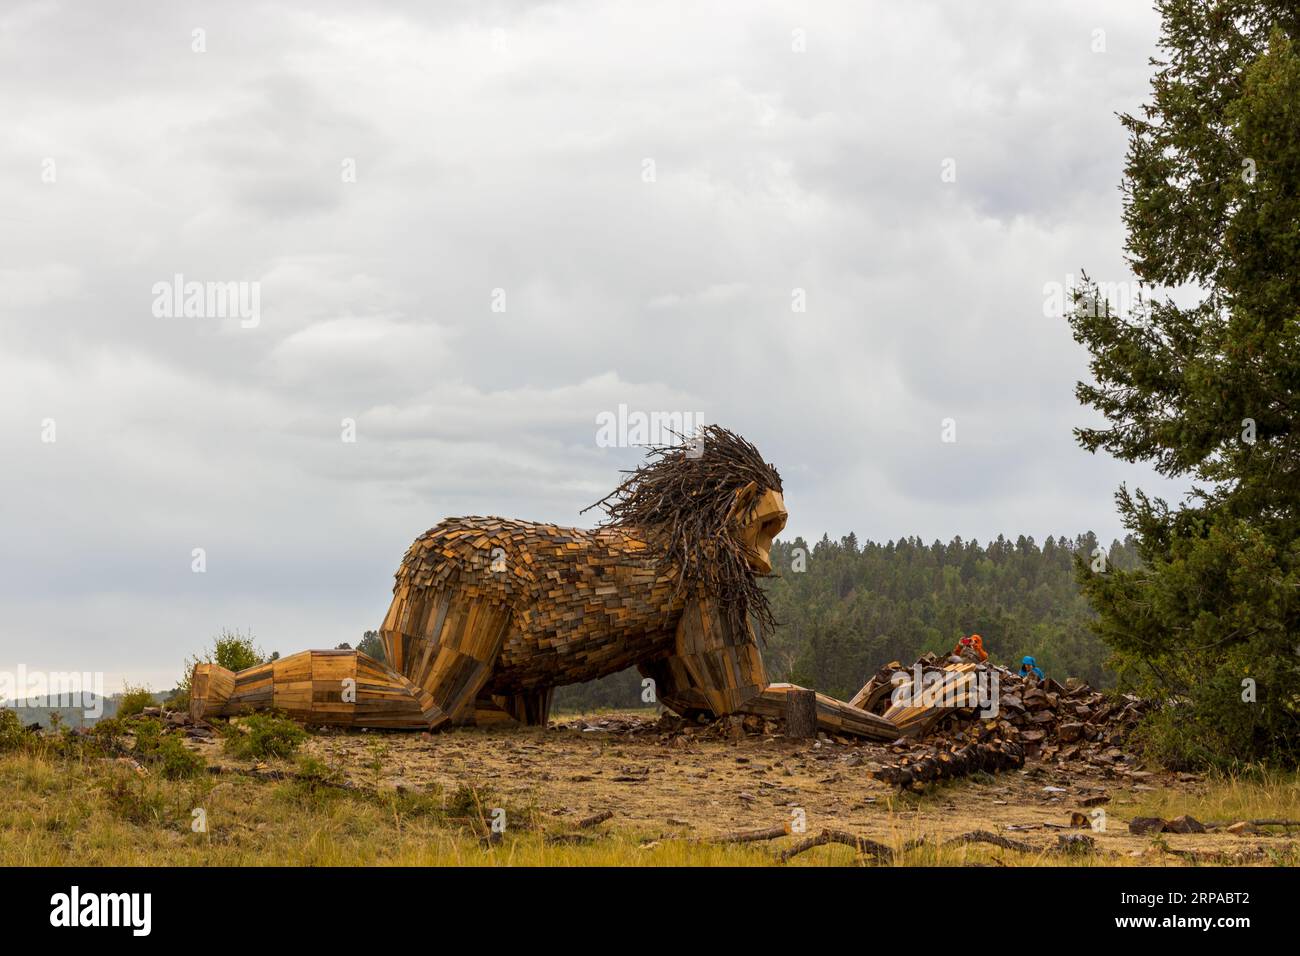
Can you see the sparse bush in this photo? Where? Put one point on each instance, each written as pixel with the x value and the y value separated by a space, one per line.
pixel 231 650
pixel 418 804
pixel 105 736
pixel 148 737
pixel 464 801
pixel 263 735
pixel 378 754
pixel 136 800
pixel 176 761
pixel 13 734
pixel 165 752
pixel 315 783
pixel 313 770
pixel 134 700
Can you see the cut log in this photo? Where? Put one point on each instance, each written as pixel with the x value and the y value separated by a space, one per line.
pixel 801 714
pixel 941 763
pixel 833 716
pixel 752 836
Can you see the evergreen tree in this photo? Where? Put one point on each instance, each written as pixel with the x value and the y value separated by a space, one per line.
pixel 373 645
pixel 1209 391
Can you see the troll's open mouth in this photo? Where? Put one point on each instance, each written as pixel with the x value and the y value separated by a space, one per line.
pixel 766 527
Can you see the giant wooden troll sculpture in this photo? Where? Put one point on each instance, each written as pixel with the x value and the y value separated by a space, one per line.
pixel 490 615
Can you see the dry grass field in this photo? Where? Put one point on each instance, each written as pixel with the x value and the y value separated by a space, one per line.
pixel 413 799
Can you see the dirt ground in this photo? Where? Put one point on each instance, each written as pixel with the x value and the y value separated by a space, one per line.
pixel 666 785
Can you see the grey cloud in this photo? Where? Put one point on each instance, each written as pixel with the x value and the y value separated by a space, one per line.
pixel 513 161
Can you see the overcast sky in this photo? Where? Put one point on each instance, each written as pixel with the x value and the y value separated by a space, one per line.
pixel 642 188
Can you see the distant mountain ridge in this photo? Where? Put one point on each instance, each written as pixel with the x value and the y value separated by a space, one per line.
pixel 35 710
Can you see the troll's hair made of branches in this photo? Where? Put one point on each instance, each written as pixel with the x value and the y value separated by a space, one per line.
pixel 682 501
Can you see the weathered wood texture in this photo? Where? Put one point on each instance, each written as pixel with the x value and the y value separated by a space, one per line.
pixel 919 714
pixel 800 713
pixel 950 760
pixel 549 605
pixel 489 615
pixel 877 689
pixel 342 688
pixel 833 716
pixel 210 688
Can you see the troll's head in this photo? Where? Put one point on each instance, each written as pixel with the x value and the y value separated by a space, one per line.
pixel 711 507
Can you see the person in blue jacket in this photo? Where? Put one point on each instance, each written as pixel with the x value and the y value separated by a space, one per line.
pixel 1029 668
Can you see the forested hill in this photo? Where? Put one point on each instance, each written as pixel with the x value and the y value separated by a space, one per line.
pixel 856 606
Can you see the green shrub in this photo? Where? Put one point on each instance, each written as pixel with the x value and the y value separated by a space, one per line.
pixel 105 737
pixel 263 735
pixel 148 737
pixel 109 727
pixel 231 650
pixel 315 784
pixel 418 804
pixel 134 700
pixel 464 801
pixel 313 770
pixel 165 752
pixel 176 761
pixel 1181 738
pixel 13 734
pixel 235 651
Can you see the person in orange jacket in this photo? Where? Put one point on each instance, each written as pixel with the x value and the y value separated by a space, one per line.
pixel 973 643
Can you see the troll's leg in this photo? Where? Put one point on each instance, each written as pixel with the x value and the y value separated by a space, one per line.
pixel 343 688
pixel 445 642
pixel 712 669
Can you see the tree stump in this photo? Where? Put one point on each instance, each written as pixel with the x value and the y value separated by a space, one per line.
pixel 801 714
